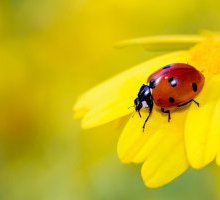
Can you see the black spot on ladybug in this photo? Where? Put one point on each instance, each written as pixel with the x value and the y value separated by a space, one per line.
pixel 171 100
pixel 194 87
pixel 172 81
pixel 166 67
pixel 152 83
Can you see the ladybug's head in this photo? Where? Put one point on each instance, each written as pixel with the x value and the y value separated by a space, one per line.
pixel 144 98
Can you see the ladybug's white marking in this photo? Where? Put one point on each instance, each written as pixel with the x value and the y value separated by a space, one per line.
pixel 172 81
pixel 144 104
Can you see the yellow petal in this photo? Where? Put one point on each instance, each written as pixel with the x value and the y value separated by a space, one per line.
pixel 206 56
pixel 133 142
pixel 202 128
pixel 163 42
pixel 111 99
pixel 80 113
pixel 166 162
pixel 161 147
pixel 106 112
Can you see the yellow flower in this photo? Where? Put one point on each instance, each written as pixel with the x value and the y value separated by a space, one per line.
pixel 191 139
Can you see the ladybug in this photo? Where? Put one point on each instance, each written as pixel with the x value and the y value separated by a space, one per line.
pixel 173 85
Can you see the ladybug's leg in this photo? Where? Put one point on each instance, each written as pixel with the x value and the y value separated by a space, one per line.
pixel 166 111
pixel 197 103
pixel 180 105
pixel 188 103
pixel 139 113
pixel 149 102
pixel 150 111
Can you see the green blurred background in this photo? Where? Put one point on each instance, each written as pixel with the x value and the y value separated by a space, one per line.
pixel 50 53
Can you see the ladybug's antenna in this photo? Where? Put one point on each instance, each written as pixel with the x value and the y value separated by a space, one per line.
pixel 133 112
pixel 131 106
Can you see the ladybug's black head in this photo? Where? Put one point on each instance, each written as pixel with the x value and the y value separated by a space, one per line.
pixel 144 98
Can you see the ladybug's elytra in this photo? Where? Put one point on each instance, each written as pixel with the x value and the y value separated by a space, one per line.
pixel 174 85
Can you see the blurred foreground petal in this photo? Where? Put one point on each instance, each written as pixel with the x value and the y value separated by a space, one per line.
pixel 163 42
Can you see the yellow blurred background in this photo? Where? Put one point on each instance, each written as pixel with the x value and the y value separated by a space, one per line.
pixel 50 53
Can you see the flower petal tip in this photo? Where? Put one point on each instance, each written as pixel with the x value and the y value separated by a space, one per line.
pixel 197 164
pixel 158 179
pixel 88 123
pixel 152 182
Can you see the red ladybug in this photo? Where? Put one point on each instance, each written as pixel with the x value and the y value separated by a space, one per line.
pixel 174 85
